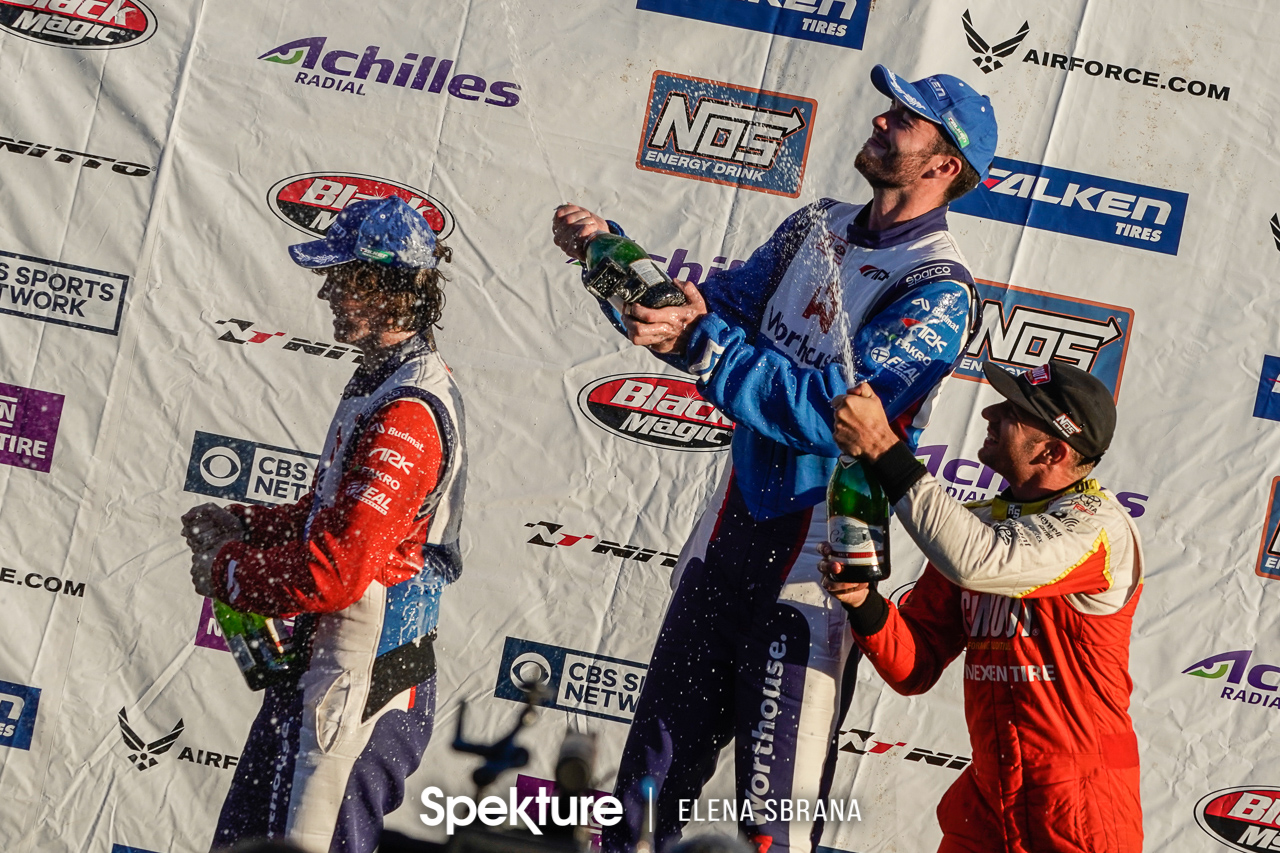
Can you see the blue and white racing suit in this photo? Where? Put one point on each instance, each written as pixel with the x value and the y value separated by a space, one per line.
pixel 752 649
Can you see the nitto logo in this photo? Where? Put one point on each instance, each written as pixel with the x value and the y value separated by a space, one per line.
pixel 66 155
pixel 1234 666
pixel 1268 565
pixel 1079 204
pixel 1275 230
pixel 560 539
pixel 579 682
pixel 989 56
pixel 242 332
pixel 862 744
pixel 18 707
pixel 726 134
pixel 79 24
pixel 1022 329
pixel 1246 818
pixel 660 411
pixel 343 68
pixel 312 201
pixel 838 22
pixel 240 470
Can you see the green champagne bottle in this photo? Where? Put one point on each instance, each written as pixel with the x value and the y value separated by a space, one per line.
pixel 857 523
pixel 262 649
pixel 618 269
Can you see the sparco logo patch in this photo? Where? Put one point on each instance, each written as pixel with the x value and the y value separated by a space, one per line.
pixel 312 201
pixel 1024 328
pixel 839 22
pixel 79 24
pixel 240 470
pixel 1245 818
pixel 660 411
pixel 581 682
pixel 726 134
pixel 1079 204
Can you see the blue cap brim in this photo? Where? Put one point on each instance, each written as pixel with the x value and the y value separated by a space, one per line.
pixel 317 254
pixel 893 86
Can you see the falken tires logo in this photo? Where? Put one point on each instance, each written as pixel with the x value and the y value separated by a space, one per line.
pixel 79 24
pixel 1079 204
pixel 842 23
pixel 312 201
pixel 1244 818
pixel 660 411
pixel 726 134
pixel 1022 329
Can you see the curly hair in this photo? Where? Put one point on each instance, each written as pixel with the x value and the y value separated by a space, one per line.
pixel 415 297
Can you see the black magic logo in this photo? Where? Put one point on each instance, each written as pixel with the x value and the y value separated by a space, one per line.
pixel 143 753
pixel 1275 230
pixel 989 56
pixel 79 24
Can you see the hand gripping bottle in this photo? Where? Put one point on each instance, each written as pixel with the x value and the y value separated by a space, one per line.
pixel 857 523
pixel 618 270
pixel 262 648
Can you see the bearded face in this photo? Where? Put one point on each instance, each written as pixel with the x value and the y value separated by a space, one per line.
pixel 889 166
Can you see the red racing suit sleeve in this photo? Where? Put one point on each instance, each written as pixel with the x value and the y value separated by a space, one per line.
pixel 919 639
pixel 266 525
pixel 388 475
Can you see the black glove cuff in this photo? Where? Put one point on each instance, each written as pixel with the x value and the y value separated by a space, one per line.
pixel 869 617
pixel 897 471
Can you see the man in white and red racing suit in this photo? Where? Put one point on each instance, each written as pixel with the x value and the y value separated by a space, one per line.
pixel 1038 589
pixel 362 558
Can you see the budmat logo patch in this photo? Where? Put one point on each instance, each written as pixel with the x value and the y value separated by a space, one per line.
pixel 1079 204
pixel 579 682
pixel 660 411
pixel 1245 818
pixel 79 24
pixel 19 705
pixel 1022 329
pixel 726 134
pixel 29 422
pixel 63 294
pixel 839 22
pixel 312 201
pixel 1268 565
pixel 240 470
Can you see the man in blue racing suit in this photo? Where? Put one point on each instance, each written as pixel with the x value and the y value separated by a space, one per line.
pixel 752 650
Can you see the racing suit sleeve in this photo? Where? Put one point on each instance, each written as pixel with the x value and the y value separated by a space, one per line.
pixel 387 478
pixel 910 646
pixel 267 524
pixel 1068 549
pixel 903 352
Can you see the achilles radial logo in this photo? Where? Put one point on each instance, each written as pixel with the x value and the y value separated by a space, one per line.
pixel 1259 685
pixel 240 470
pixel 839 22
pixel 1246 818
pixel 1268 565
pixel 29 422
pixel 1079 204
pixel 726 134
pixel 660 411
pixel 18 706
pixel 312 201
pixel 79 24
pixel 580 682
pixel 1022 329
pixel 63 294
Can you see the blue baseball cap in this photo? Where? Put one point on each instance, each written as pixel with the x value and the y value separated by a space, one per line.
pixel 382 230
pixel 966 117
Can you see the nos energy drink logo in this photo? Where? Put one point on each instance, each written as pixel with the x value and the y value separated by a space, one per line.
pixel 1079 204
pixel 839 22
pixel 726 134
pixel 580 682
pixel 311 202
pixel 1268 565
pixel 18 707
pixel 1022 328
pixel 240 470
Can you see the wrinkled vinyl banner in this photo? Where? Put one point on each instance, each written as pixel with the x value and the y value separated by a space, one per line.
pixel 158 349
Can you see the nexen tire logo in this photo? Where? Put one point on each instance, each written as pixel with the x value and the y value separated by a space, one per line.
pixel 660 411
pixel 1022 328
pixel 726 134
pixel 580 682
pixel 1242 818
pixel 1079 204
pixel 79 24
pixel 312 201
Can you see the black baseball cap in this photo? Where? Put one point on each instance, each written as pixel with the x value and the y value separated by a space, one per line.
pixel 1073 402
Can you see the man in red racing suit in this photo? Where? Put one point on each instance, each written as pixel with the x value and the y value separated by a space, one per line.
pixel 1038 588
